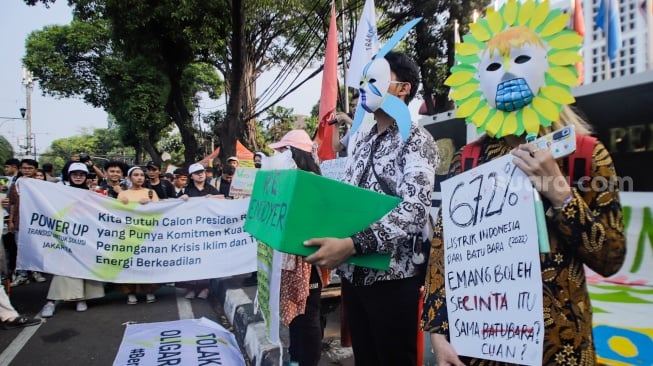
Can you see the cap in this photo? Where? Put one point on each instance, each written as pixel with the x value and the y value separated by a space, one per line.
pixel 232 158
pixel 194 168
pixel 298 139
pixel 78 167
pixel 180 171
pixel 151 164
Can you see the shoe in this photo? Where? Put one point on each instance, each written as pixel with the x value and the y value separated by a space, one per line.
pixel 150 298
pixel 81 306
pixel 38 277
pixel 20 321
pixel 48 310
pixel 204 294
pixel 131 299
pixel 19 280
pixel 190 295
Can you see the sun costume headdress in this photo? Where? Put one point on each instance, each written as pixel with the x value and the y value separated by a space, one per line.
pixel 515 69
pixel 375 81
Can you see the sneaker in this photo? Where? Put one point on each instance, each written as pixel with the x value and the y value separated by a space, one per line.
pixel 38 277
pixel 19 280
pixel 150 298
pixel 131 299
pixel 204 294
pixel 190 295
pixel 81 306
pixel 20 321
pixel 48 310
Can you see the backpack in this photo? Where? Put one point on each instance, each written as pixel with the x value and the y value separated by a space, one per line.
pixel 577 165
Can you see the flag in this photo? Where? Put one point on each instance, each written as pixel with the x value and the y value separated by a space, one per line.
pixel 608 20
pixel 366 45
pixel 329 94
pixel 579 27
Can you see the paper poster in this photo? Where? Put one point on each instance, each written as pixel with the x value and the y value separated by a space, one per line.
pixel 82 234
pixel 268 290
pixel 243 182
pixel 492 264
pixel 334 168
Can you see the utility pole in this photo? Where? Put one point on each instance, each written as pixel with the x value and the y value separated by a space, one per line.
pixel 28 81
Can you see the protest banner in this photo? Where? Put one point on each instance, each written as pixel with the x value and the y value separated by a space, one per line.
pixel 492 264
pixel 243 182
pixel 268 289
pixel 82 234
pixel 334 168
pixel 290 206
pixel 180 342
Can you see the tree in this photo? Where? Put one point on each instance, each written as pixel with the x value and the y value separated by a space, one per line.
pixel 278 121
pixel 6 150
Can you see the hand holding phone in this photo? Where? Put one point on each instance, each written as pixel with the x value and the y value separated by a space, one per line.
pixel 561 142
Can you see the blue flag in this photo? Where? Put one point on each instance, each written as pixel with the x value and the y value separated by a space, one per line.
pixel 609 9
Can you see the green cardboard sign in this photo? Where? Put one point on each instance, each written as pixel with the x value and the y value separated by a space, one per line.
pixel 288 207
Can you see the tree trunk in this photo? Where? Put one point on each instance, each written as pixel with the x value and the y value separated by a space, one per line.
pixel 249 132
pixel 233 122
pixel 183 120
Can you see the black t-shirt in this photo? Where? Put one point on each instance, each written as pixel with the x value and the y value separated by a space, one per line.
pixel 192 191
pixel 164 189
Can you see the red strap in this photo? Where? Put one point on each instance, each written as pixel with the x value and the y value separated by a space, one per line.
pixel 582 155
pixel 471 153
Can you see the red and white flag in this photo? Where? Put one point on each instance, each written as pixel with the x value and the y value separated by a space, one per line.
pixel 329 95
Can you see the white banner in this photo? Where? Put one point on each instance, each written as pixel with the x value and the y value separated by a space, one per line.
pixel 334 168
pixel 492 263
pixel 82 234
pixel 179 342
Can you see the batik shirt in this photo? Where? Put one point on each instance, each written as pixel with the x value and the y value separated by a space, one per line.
pixel 588 231
pixel 408 170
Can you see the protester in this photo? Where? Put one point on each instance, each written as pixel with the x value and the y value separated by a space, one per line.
pixel 138 193
pixel 344 120
pixel 63 288
pixel 396 157
pixel 301 282
pixel 10 317
pixel 162 187
pixel 584 223
pixel 258 158
pixel 223 184
pixel 198 188
pixel 8 239
pixel 232 160
pixel 39 174
pixel 48 169
pixel 28 168
pixel 113 183
pixel 179 181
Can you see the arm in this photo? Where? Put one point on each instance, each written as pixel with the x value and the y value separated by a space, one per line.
pixel 592 222
pixel 341 118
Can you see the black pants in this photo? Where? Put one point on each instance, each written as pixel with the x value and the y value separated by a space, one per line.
pixel 9 241
pixel 306 329
pixel 383 321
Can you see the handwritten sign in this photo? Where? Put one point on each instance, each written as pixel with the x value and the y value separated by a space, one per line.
pixel 492 264
pixel 334 168
pixel 243 182
pixel 268 289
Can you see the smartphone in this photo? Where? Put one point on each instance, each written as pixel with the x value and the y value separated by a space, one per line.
pixel 562 142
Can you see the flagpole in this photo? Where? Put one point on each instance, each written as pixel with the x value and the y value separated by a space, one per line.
pixel 649 22
pixel 344 59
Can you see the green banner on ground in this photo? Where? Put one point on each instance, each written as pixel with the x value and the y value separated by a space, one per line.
pixel 288 207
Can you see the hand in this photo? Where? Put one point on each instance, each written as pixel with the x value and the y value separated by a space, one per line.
pixel 124 200
pixel 543 171
pixel 143 201
pixel 332 251
pixel 445 354
pixel 184 197
pixel 5 203
pixel 343 118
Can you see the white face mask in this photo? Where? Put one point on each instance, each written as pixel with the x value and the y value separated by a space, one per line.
pixel 280 160
pixel 374 85
pixel 511 83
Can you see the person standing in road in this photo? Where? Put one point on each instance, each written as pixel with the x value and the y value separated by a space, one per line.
pixel 162 187
pixel 64 288
pixel 112 183
pixel 396 157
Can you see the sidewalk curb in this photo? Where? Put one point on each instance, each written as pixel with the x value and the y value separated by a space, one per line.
pixel 249 328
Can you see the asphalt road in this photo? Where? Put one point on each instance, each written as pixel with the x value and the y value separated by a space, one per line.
pixel 90 338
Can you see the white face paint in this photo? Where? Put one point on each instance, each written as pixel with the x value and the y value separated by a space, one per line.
pixel 374 85
pixel 510 84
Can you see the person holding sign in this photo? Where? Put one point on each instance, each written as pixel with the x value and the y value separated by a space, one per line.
pixel 301 282
pixel 138 193
pixel 397 158
pixel 63 288
pixel 584 222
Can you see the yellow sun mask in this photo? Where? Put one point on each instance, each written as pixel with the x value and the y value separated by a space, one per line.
pixel 515 69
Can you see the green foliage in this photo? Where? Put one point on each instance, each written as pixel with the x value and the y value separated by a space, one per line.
pixel 278 121
pixel 6 150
